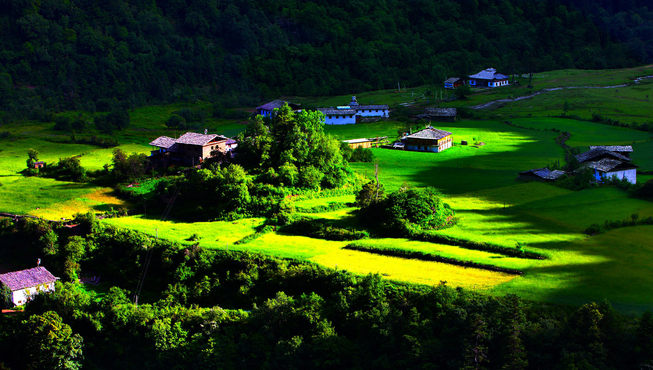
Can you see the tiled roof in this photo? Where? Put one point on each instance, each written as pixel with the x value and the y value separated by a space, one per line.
pixel 607 164
pixel 193 138
pixel 337 112
pixel 595 153
pixel 428 133
pixel 545 173
pixel 452 80
pixel 27 278
pixel 614 148
pixel 489 74
pixel 441 112
pixel 163 142
pixel 277 103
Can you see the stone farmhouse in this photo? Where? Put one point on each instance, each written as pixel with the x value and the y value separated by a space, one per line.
pixel 609 162
pixel 190 149
pixel 23 285
pixel 354 112
pixel 428 140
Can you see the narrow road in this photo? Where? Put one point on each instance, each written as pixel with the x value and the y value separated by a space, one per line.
pixel 509 100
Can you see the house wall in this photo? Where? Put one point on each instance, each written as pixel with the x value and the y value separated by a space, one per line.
pixel 498 83
pixel 434 146
pixel 445 143
pixel 20 297
pixel 340 120
pixel 630 175
pixel 367 144
pixel 373 113
pixel 265 113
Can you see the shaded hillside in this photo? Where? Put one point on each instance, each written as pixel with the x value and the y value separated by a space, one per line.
pixel 77 54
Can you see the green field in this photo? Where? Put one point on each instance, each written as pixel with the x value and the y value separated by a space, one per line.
pixel 478 181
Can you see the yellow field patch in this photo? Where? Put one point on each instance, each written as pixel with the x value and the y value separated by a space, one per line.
pixel 411 270
pixel 89 202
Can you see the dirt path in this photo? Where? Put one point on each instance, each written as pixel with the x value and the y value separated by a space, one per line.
pixel 508 100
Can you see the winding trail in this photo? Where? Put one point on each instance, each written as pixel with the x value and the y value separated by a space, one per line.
pixel 524 97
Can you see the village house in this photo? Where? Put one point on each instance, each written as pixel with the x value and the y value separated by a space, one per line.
pixel 190 149
pixel 607 163
pixel 453 82
pixel 354 112
pixel 39 164
pixel 267 109
pixel 439 114
pixel 24 284
pixel 488 78
pixel 541 174
pixel 365 142
pixel 428 140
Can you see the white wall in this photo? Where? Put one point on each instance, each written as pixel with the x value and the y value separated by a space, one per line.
pixel 373 113
pixel 630 175
pixel 20 297
pixel 339 120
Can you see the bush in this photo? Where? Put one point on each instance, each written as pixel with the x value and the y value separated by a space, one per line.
pixel 176 121
pixel 62 123
pixel 323 230
pixel 362 155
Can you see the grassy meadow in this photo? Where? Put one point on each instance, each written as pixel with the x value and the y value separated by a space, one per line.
pixel 478 181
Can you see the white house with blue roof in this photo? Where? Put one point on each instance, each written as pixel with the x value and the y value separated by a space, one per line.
pixel 354 112
pixel 488 78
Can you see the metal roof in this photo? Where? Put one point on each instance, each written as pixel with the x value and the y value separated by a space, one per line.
pixel 489 74
pixel 607 165
pixel 337 112
pixel 598 152
pixel 545 173
pixel 356 141
pixel 614 148
pixel 277 103
pixel 373 106
pixel 452 80
pixel 428 133
pixel 29 278
pixel 441 112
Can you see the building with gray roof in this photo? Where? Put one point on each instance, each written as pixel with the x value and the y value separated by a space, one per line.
pixel 488 78
pixel 429 139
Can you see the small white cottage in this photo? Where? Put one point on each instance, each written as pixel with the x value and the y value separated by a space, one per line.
pixel 25 284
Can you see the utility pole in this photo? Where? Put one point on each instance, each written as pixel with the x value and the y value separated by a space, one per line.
pixel 376 175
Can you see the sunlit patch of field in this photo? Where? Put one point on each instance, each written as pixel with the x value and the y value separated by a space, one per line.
pixel 101 199
pixel 411 270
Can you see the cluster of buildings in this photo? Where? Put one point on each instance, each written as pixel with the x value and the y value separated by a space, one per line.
pixel 486 78
pixel 605 161
pixel 354 113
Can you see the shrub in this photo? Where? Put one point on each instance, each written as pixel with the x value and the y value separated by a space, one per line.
pixel 62 123
pixel 323 229
pixel 176 121
pixel 362 155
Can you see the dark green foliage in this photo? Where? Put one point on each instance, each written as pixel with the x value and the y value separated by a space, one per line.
pixel 323 229
pixel 406 211
pixel 68 169
pixel 51 343
pixel 290 314
pixel 371 193
pixel 463 92
pixel 292 150
pixel 646 191
pixel 609 225
pixel 128 167
pixel 115 120
pixel 102 58
pixel 176 121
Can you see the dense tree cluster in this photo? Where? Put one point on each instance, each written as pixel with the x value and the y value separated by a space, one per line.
pixel 293 150
pixel 208 309
pixel 107 55
pixel 406 211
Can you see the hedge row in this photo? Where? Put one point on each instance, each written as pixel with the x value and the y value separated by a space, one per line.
pixel 402 253
pixel 323 230
pixel 331 206
pixel 480 246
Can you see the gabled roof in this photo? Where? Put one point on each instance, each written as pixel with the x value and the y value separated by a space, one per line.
pixel 607 165
pixel 337 112
pixel 596 153
pixel 614 148
pixel 428 133
pixel 163 142
pixel 277 103
pixel 489 74
pixel 452 80
pixel 544 173
pixel 193 138
pixel 27 278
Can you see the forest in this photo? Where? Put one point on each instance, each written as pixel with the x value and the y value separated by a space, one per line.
pixel 222 309
pixel 57 55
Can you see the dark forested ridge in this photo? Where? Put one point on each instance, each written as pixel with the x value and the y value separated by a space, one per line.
pixel 71 54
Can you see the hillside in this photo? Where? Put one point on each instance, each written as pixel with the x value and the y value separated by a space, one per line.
pixel 88 55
